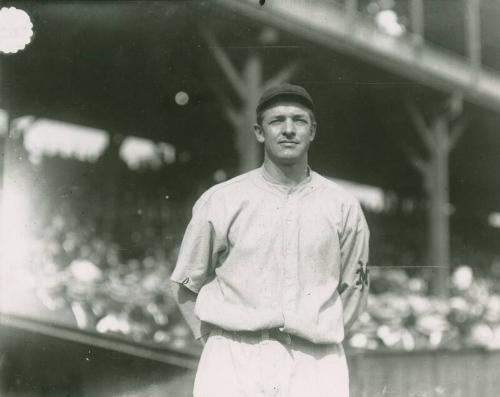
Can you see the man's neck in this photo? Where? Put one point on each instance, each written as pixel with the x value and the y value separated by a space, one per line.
pixel 288 175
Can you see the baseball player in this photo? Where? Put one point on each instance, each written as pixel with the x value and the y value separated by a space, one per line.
pixel 272 270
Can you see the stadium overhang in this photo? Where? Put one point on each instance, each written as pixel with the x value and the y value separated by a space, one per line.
pixel 119 68
pixel 333 26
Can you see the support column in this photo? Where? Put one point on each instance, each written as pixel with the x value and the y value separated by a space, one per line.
pixel 438 197
pixel 248 85
pixel 417 22
pixel 473 37
pixel 439 136
pixel 351 9
pixel 248 148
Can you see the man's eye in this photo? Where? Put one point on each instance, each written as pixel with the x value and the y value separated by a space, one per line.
pixel 300 121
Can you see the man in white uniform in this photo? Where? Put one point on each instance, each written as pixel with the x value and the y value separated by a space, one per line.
pixel 272 270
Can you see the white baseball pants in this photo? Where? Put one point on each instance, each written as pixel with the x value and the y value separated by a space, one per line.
pixel 254 365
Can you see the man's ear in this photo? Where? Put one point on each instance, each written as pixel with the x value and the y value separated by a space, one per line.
pixel 314 127
pixel 259 133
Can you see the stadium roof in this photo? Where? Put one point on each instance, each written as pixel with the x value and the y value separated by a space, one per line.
pixel 118 67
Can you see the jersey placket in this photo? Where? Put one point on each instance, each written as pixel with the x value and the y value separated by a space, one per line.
pixel 289 269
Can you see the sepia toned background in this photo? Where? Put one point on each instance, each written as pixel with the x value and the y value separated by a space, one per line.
pixel 115 116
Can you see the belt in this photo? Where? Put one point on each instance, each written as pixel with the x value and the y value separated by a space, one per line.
pixel 277 334
pixel 273 333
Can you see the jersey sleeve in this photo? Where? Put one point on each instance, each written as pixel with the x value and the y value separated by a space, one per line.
pixel 354 249
pixel 199 249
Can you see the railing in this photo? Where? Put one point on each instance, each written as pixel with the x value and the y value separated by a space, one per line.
pixel 461 373
pixel 184 358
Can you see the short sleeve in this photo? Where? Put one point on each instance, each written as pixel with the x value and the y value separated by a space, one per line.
pixel 199 248
pixel 354 245
pixel 354 283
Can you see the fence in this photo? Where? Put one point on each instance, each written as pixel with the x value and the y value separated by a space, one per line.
pixel 465 373
pixel 37 365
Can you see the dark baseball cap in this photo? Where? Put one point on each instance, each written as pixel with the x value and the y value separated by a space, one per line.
pixel 285 91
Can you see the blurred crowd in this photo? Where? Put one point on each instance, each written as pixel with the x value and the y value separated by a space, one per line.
pixel 112 288
pixel 402 315
pixel 109 286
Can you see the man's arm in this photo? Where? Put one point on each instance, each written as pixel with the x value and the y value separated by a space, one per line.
pixel 186 301
pixel 197 255
pixel 354 283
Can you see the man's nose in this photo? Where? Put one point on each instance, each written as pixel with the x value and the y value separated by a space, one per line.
pixel 289 127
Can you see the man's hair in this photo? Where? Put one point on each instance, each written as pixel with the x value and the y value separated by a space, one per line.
pixel 260 116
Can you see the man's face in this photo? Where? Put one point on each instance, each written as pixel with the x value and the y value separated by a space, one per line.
pixel 287 130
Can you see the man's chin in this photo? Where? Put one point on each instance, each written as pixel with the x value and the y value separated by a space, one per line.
pixel 288 159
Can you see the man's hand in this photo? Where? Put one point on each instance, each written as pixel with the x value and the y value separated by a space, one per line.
pixel 186 300
pixel 203 339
